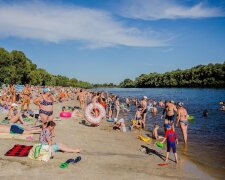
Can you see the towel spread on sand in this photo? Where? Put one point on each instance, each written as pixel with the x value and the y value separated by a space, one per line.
pixel 19 151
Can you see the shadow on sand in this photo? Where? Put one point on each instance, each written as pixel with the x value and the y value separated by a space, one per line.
pixel 154 152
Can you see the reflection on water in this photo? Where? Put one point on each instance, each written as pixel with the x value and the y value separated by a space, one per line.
pixel 206 135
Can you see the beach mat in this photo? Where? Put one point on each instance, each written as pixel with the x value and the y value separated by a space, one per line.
pixel 16 136
pixel 4 121
pixel 19 151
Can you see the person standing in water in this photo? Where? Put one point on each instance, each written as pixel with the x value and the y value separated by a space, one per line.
pixel 117 107
pixel 144 109
pixel 182 119
pixel 170 110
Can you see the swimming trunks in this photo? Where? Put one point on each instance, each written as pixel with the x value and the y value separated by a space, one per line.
pixel 171 146
pixel 55 147
pixel 16 129
pixel 184 121
pixel 170 118
pixel 48 113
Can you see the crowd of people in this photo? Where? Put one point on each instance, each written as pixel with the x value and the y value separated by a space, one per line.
pixel 173 114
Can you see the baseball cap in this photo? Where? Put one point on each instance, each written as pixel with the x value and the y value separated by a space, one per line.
pixel 167 126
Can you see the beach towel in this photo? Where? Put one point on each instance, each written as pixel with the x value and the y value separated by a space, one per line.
pixel 40 152
pixel 19 151
pixel 4 121
pixel 16 136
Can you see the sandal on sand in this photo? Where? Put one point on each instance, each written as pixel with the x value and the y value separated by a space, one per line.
pixel 65 164
pixel 77 160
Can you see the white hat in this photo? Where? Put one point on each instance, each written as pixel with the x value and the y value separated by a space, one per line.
pixel 14 105
pixel 145 97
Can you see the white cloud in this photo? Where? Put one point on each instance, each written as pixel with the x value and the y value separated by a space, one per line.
pixel 166 9
pixel 52 23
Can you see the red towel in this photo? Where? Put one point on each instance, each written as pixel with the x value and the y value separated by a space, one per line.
pixel 19 150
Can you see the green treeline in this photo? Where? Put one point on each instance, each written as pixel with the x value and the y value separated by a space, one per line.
pixel 16 68
pixel 211 75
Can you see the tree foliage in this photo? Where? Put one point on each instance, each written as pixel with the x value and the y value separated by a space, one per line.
pixel 211 75
pixel 16 68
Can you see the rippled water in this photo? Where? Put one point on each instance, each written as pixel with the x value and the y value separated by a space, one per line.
pixel 206 136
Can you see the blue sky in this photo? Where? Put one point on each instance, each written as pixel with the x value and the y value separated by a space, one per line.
pixel 107 41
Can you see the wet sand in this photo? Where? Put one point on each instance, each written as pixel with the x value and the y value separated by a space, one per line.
pixel 106 154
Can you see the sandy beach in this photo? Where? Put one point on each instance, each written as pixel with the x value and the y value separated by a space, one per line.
pixel 106 154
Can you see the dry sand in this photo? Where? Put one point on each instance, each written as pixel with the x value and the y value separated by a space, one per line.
pixel 106 154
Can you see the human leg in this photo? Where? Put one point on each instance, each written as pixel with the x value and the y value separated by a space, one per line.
pixel 64 148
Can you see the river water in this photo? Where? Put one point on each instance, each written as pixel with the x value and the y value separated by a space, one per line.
pixel 206 135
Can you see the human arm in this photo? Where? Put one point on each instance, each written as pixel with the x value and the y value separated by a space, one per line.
pixel 37 101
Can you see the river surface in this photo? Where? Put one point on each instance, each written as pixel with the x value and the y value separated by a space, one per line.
pixel 206 135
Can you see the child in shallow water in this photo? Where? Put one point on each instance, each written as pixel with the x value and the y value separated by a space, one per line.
pixel 155 132
pixel 171 139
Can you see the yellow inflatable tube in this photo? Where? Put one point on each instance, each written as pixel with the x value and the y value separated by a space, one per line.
pixel 145 139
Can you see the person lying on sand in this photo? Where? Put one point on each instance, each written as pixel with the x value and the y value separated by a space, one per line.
pixel 47 135
pixel 18 129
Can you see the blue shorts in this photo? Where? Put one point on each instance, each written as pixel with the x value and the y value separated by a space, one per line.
pixel 55 147
pixel 170 118
pixel 171 145
pixel 16 129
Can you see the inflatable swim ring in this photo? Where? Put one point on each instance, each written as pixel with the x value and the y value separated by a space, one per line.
pixel 159 144
pixel 190 118
pixel 65 114
pixel 145 139
pixel 90 113
pixel 134 121
pixel 110 120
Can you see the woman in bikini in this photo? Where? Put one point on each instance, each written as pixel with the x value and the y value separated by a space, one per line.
pixel 45 103
pixel 26 97
pixel 182 118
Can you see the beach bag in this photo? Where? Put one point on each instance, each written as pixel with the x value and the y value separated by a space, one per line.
pixel 40 152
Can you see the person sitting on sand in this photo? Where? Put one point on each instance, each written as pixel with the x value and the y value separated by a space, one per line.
pixel 13 115
pixel 45 103
pixel 120 125
pixel 155 133
pixel 171 138
pixel 138 117
pixel 18 129
pixel 47 135
pixel 76 113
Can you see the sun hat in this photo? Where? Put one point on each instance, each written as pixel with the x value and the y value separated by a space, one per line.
pixel 145 97
pixel 46 90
